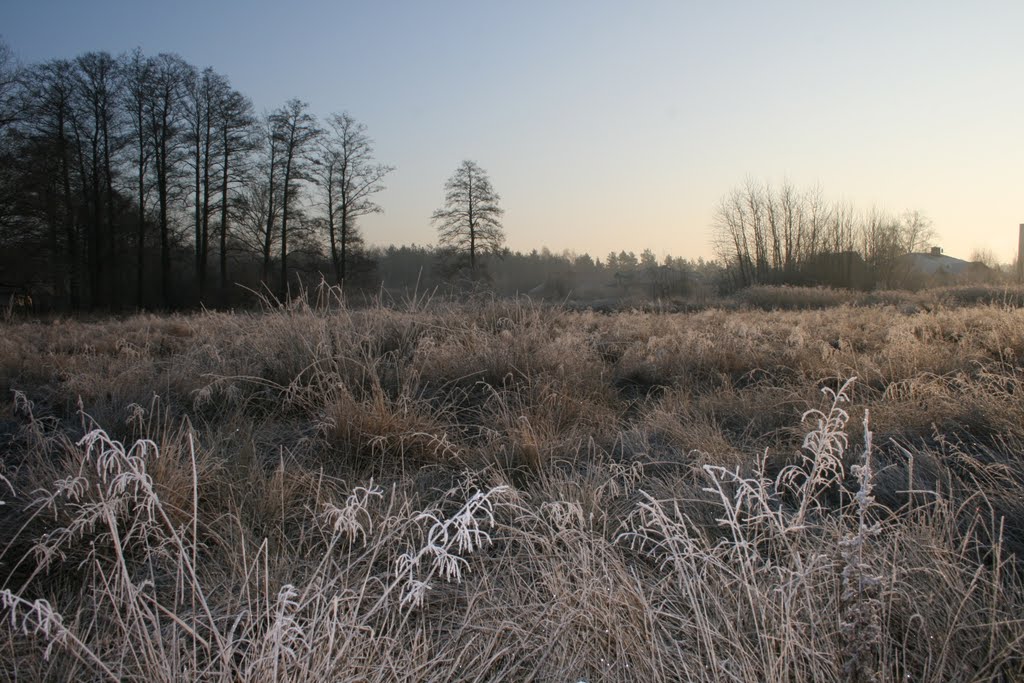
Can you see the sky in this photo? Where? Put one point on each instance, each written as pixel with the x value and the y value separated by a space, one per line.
pixel 621 125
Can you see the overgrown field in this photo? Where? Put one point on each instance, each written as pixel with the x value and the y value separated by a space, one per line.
pixel 505 491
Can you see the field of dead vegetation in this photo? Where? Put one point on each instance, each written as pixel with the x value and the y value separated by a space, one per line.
pixel 505 491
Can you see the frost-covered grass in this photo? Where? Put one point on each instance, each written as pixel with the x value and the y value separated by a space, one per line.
pixel 511 492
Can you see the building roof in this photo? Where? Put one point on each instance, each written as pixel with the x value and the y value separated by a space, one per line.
pixel 932 264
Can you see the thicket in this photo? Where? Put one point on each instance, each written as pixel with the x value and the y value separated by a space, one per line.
pixel 782 235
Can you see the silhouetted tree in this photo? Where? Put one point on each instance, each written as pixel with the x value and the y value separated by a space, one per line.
pixel 628 261
pixel 137 77
pixel 10 101
pixel 234 115
pixel 349 177
pixel 10 73
pixel 916 231
pixel 47 103
pixel 165 115
pixel 250 208
pixel 784 236
pixel 218 129
pixel 197 103
pixel 96 122
pixel 293 130
pixel 470 221
pixel 261 195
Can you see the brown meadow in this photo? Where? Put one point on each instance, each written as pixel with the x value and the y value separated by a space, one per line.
pixel 502 490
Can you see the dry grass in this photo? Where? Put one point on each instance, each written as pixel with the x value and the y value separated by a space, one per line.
pixel 504 491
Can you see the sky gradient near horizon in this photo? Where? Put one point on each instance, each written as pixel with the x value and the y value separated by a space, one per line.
pixel 613 125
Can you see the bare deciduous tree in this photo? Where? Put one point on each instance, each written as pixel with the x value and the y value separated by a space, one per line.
pixel 96 122
pixel 47 94
pixel 349 177
pixel 137 78
pixel 164 112
pixel 293 130
pixel 200 97
pixel 916 230
pixel 266 191
pixel 235 117
pixel 771 235
pixel 250 211
pixel 9 75
pixel 470 221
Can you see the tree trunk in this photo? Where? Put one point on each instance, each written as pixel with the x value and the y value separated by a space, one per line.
pixel 140 240
pixel 197 190
pixel 109 270
pixel 70 230
pixel 95 297
pixel 343 270
pixel 204 252
pixel 284 231
pixel 224 220
pixel 270 226
pixel 165 241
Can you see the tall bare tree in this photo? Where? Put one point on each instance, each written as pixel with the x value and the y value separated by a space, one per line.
pixel 470 221
pixel 137 78
pixel 346 171
pixel 782 235
pixel 293 130
pixel 262 197
pixel 916 231
pixel 11 102
pixel 235 119
pixel 10 73
pixel 165 121
pixel 217 121
pixel 881 244
pixel 96 122
pixel 250 209
pixel 48 92
pixel 197 102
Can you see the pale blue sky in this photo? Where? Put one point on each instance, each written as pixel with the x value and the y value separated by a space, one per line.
pixel 620 125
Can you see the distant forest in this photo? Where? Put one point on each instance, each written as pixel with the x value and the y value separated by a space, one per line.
pixel 143 182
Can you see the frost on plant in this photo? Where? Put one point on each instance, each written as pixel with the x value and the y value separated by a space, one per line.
pixel 446 543
pixel 353 519
pixel 822 456
pixel 661 532
pixel 862 588
pixel 6 482
pixel 564 515
pixel 35 618
pixel 286 634
pixel 120 494
pixel 749 505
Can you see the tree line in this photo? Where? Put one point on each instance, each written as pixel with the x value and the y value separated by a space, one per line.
pixel 544 274
pixel 783 235
pixel 145 181
pixel 141 181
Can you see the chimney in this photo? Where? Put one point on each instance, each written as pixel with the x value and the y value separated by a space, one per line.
pixel 937 251
pixel 1020 255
